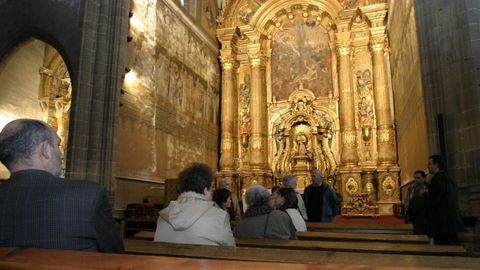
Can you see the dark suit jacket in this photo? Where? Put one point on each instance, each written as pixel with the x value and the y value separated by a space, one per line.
pixel 443 207
pixel 38 209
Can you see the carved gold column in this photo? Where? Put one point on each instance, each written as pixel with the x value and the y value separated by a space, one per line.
pixel 349 154
pixel 385 130
pixel 227 161
pixel 258 110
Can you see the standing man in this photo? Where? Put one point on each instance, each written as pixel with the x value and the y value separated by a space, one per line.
pixel 321 200
pixel 417 204
pixel 40 209
pixel 290 181
pixel 444 220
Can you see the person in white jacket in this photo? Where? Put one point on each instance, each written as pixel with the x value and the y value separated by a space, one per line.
pixel 194 218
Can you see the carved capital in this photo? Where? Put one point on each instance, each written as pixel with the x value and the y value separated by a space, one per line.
pixel 256 58
pixel 343 47
pixel 227 63
pixel 378 43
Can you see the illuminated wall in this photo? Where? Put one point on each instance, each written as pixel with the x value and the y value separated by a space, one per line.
pixel 169 104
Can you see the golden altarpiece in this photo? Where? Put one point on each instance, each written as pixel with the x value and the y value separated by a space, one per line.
pixel 55 95
pixel 305 84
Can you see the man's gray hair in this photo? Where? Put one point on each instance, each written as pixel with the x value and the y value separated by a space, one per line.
pixel 257 195
pixel 19 138
pixel 224 183
pixel 289 179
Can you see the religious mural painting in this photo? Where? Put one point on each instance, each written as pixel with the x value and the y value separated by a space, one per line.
pixel 301 55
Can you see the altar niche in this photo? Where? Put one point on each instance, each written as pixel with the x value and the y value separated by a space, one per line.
pixel 303 132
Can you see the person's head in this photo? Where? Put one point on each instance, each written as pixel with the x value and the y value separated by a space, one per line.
pixel 420 176
pixel 222 198
pixel 289 181
pixel 225 183
pixel 317 177
pixel 30 144
pixel 436 164
pixel 289 198
pixel 257 195
pixel 198 178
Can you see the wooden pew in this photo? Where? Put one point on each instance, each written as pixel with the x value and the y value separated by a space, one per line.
pixel 333 236
pixel 361 227
pixel 367 247
pixel 363 237
pixel 145 235
pixel 332 258
pixel 39 259
pixel 390 248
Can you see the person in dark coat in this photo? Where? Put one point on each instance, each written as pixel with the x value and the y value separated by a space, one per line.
pixel 40 209
pixel 417 206
pixel 444 221
pixel 321 200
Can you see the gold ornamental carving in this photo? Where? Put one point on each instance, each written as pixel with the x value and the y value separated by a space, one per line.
pixel 351 186
pixel 227 63
pixel 389 186
pixel 227 144
pixel 384 136
pixel 256 142
pixel 280 127
pixel 349 137
pixel 378 44
pixel 256 59
pixel 302 138
pixel 344 48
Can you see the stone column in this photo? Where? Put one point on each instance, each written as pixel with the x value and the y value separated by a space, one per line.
pixel 349 154
pixel 227 161
pixel 258 112
pixel 385 130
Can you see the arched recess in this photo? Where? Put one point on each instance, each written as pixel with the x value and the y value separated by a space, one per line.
pixel 35 83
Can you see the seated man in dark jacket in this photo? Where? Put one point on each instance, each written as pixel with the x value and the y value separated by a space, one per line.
pixel 40 209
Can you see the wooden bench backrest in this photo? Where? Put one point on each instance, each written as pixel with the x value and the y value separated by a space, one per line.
pixel 296 255
pixel 361 227
pixel 379 237
pixel 369 247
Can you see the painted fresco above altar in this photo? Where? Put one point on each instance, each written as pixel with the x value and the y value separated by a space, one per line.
pixel 301 54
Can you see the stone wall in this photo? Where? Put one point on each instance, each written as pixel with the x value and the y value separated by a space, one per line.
pixel 19 77
pixel 407 88
pixel 170 101
pixel 449 40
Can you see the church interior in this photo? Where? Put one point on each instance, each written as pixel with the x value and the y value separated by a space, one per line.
pixel 363 90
